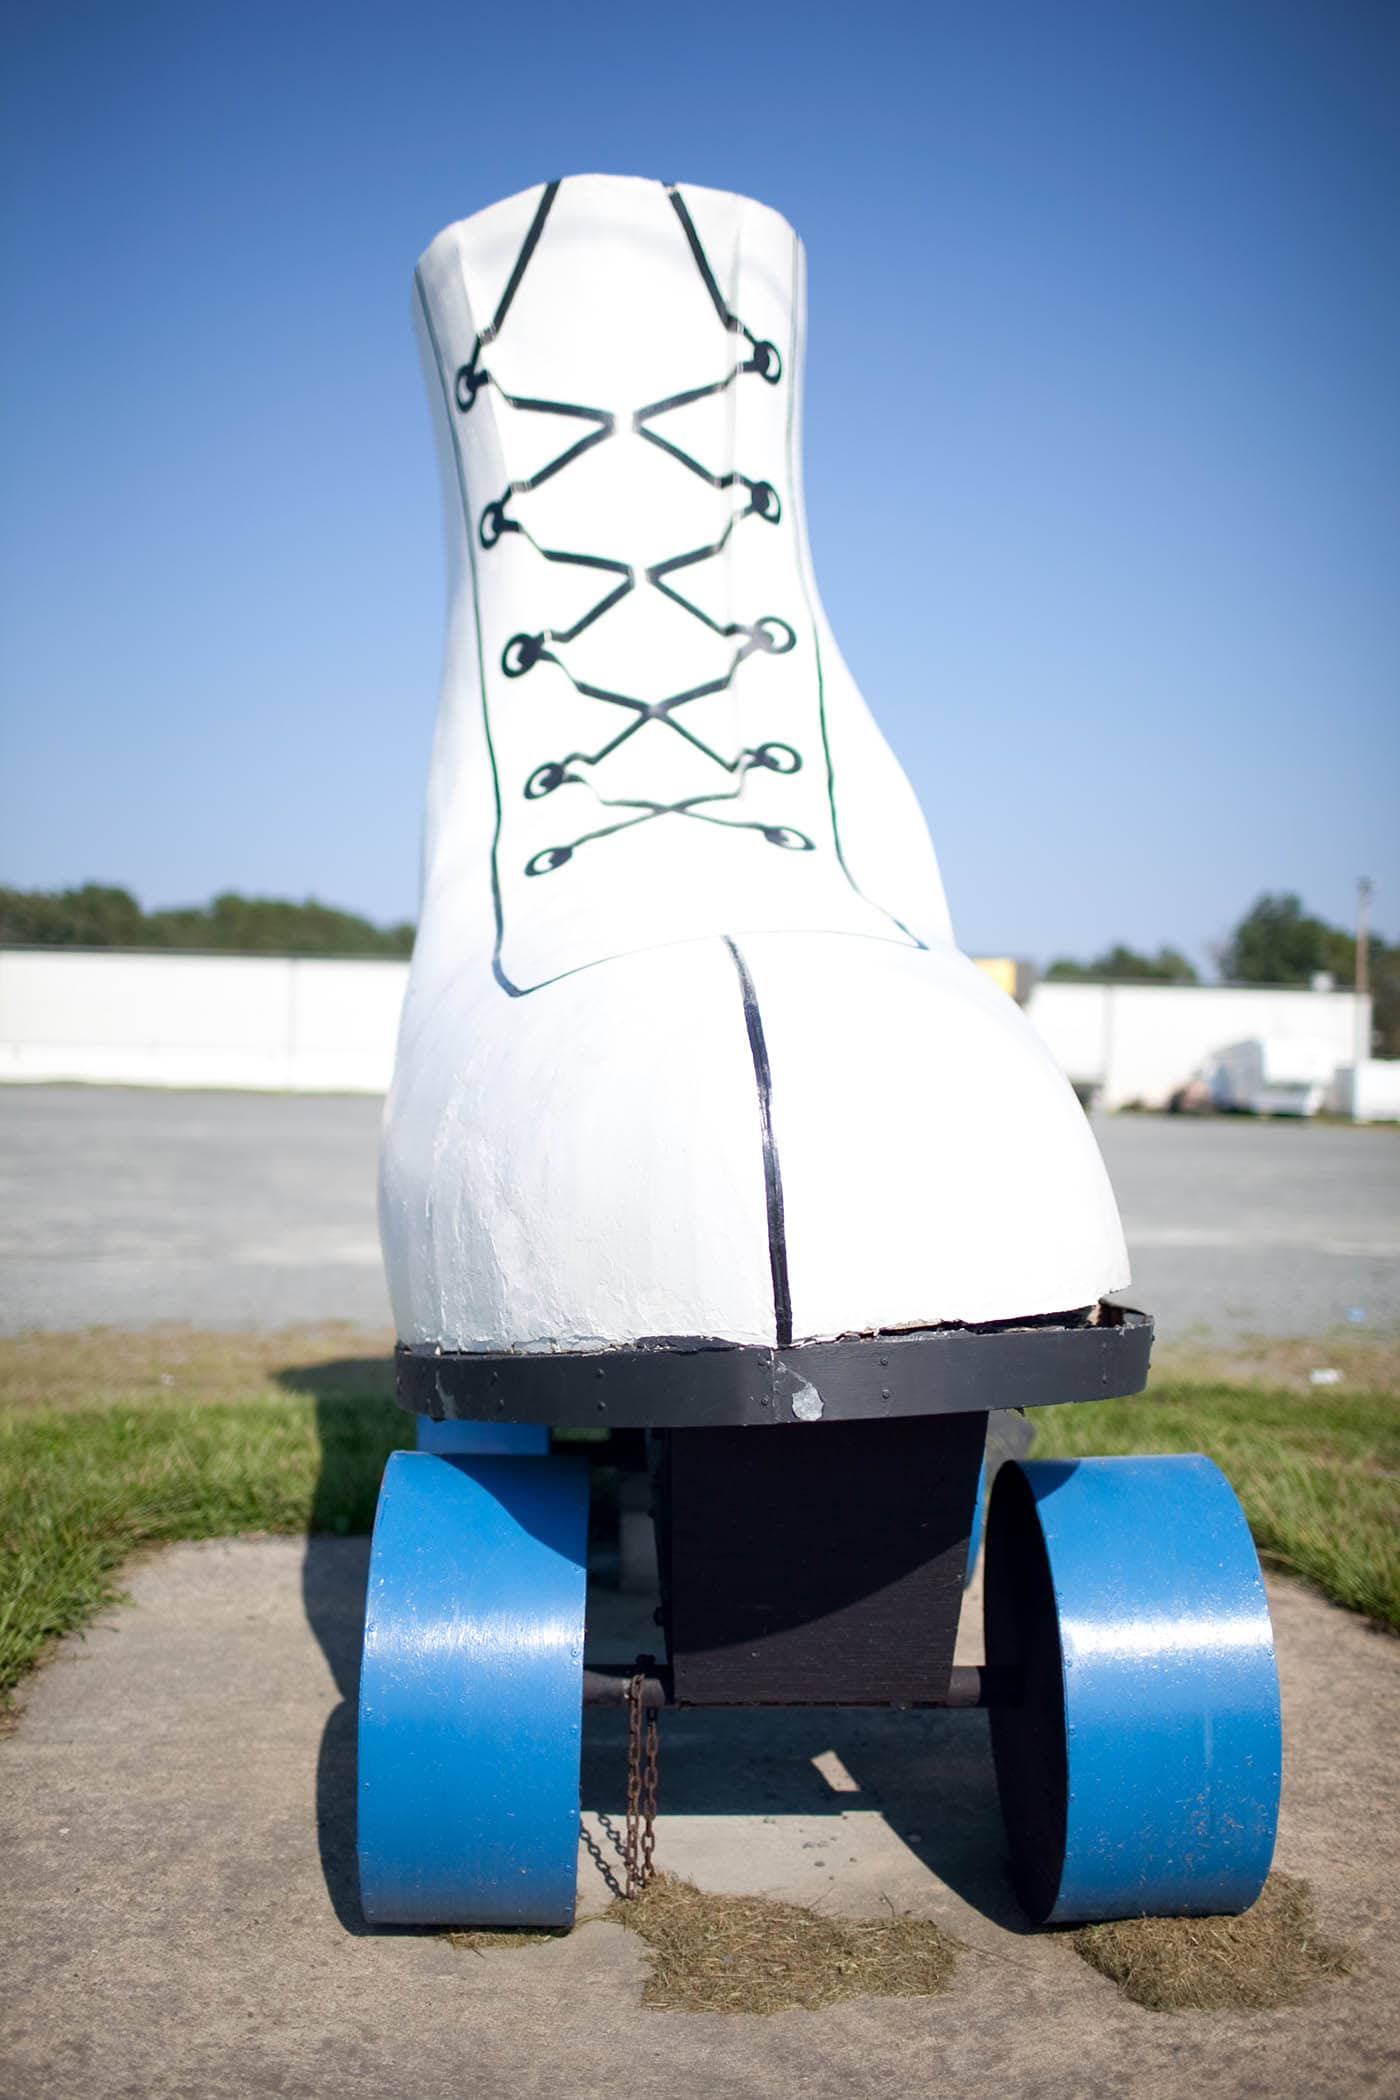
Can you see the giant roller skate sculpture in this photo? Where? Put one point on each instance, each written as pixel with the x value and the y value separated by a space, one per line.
pixel 701 1124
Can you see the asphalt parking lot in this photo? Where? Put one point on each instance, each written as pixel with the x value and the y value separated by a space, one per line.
pixel 131 1207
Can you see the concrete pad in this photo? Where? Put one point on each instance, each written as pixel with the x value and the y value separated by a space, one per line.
pixel 176 1826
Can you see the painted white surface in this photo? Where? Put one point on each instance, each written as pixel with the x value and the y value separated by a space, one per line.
pixel 271 1022
pixel 934 1161
pixel 1140 1043
pixel 579 1166
pixel 612 318
pixel 626 811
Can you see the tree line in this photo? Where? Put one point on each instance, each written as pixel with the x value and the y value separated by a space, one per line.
pixel 1276 942
pixel 98 916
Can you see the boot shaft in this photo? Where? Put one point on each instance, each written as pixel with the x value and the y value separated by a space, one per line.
pixel 643 705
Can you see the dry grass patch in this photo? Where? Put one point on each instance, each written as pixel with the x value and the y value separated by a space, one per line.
pixel 110 1367
pixel 754 1954
pixel 1368 1362
pixel 504 1938
pixel 1269 1957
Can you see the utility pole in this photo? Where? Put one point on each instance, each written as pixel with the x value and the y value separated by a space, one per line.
pixel 1361 1043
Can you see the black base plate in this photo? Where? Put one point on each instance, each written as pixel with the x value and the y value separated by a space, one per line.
pixel 695 1383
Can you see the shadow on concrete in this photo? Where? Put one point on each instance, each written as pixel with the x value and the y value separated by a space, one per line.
pixel 928 1774
pixel 333 1595
pixel 357 1425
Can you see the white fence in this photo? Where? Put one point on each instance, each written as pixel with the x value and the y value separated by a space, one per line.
pixel 199 1020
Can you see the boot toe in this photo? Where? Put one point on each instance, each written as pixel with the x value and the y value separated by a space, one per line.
pixel 784 1136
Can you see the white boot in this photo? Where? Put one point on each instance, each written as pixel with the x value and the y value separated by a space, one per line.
pixel 688 1050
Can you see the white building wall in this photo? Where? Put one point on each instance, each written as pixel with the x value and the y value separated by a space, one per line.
pixel 1140 1042
pixel 1369 1092
pixel 270 1022
pixel 322 1026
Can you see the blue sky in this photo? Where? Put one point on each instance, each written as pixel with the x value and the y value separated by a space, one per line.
pixel 1103 447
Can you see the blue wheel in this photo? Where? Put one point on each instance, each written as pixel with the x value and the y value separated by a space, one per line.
pixel 979 1518
pixel 482 1439
pixel 471 1692
pixel 1139 1771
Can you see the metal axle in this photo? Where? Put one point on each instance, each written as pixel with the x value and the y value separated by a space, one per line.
pixel 606 1684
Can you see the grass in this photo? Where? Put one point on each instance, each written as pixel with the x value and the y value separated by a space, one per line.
pixel 113 1442
pixel 110 1442
pixel 1317 1469
pixel 755 1954
pixel 1271 1956
pixel 106 1366
pixel 504 1939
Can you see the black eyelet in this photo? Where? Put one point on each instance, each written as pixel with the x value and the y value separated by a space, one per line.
pixel 521 653
pixel 766 362
pixel 546 862
pixel 777 758
pixel 544 780
pixel 468 383
pixel 776 644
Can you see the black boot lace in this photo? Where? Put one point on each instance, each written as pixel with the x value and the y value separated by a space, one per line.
pixel 767 635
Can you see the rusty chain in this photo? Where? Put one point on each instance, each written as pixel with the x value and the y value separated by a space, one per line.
pixel 649 1797
pixel 639 1845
